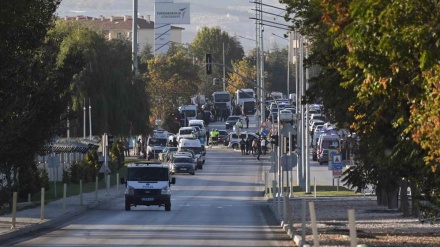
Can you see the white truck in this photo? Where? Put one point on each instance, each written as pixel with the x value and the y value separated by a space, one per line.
pixel 156 143
pixel 148 184
pixel 189 111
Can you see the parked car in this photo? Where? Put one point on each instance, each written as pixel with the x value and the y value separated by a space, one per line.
pixel 234 141
pixel 232 120
pixel 222 134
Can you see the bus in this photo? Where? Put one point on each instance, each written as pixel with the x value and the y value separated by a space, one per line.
pixel 244 94
pixel 222 99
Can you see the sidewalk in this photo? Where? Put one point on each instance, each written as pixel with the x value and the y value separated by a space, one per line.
pixel 29 220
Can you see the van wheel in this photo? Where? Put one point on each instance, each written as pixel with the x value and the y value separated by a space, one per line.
pixel 235 146
pixel 192 173
pixel 168 207
pixel 127 206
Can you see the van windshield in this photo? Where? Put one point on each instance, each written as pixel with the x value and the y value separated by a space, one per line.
pixel 157 142
pixel 330 144
pixel 147 174
pixel 189 113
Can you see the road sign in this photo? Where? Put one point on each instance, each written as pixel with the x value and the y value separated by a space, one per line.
pixel 337 173
pixel 335 160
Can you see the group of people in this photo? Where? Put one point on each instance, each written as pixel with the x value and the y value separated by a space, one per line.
pixel 256 146
pixel 221 114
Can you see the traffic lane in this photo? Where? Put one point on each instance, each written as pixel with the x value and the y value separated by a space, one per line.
pixel 213 208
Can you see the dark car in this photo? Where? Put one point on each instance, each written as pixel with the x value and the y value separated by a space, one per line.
pixel 231 121
pixel 182 164
pixel 222 134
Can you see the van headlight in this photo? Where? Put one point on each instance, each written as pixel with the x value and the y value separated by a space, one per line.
pixel 165 190
pixel 129 190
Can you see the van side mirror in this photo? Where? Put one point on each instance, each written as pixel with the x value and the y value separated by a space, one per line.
pixel 122 181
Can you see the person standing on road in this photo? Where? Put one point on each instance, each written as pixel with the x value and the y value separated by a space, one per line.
pixel 258 149
pixel 127 147
pixel 207 137
pixel 263 145
pixel 246 118
pixel 243 146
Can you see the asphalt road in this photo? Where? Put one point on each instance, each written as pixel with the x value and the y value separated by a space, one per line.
pixel 222 205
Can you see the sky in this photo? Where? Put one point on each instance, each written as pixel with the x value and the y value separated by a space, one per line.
pixel 232 16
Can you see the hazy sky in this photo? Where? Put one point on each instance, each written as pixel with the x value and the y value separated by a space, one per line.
pixel 232 16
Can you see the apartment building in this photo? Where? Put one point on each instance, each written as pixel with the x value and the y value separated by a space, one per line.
pixel 116 27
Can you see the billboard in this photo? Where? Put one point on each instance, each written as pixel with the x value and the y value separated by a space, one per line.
pixel 172 13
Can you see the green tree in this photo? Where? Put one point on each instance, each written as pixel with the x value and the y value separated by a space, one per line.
pixel 212 40
pixel 34 85
pixel 173 79
pixel 378 52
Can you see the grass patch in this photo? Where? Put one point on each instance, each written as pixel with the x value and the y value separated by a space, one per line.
pixel 321 191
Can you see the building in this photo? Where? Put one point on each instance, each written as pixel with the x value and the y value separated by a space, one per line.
pixel 116 27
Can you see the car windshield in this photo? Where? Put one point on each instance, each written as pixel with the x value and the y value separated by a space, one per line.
pixel 147 174
pixel 185 131
pixel 233 118
pixel 196 150
pixel 196 125
pixel 182 160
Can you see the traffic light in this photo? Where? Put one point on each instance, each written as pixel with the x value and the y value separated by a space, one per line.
pixel 215 81
pixel 208 62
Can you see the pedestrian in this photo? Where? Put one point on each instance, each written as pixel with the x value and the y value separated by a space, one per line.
pixel 248 145
pixel 207 137
pixel 238 126
pixel 263 145
pixel 243 146
pixel 127 147
pixel 254 146
pixel 139 145
pixel 246 118
pixel 258 149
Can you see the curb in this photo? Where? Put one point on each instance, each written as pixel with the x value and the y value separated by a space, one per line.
pixel 50 222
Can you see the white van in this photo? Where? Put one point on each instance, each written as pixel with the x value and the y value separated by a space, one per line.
pixel 196 146
pixel 148 184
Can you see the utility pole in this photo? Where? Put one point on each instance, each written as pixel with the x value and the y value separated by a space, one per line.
pixel 134 45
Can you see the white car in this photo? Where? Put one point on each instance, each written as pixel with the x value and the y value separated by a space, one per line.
pixel 184 132
pixel 200 124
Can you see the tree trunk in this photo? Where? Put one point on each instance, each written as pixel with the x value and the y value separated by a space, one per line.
pixel 404 203
pixel 392 193
pixel 382 199
pixel 414 199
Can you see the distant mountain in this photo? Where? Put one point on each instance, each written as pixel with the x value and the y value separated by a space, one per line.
pixel 232 16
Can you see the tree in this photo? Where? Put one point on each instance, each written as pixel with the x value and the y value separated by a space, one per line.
pixel 212 40
pixel 380 52
pixel 34 82
pixel 173 79
pixel 244 68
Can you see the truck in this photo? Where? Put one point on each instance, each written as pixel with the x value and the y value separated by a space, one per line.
pixel 189 112
pixel 156 142
pixel 248 106
pixel 221 100
pixel 244 94
pixel 148 184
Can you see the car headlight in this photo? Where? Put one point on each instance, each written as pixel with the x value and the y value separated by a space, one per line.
pixel 129 190
pixel 165 190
